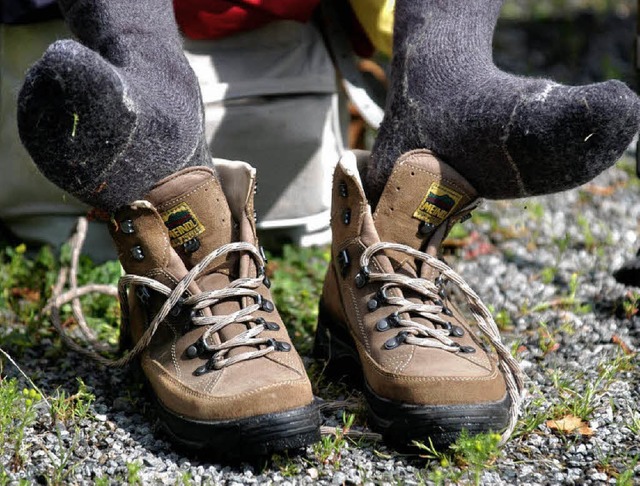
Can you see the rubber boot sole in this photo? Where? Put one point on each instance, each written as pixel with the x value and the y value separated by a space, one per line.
pixel 260 435
pixel 401 423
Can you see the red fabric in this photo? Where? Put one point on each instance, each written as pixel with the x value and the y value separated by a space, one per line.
pixel 212 19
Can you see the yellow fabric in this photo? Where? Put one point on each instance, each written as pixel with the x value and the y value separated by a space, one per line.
pixel 376 17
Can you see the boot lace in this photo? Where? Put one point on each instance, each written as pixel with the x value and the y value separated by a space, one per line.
pixel 432 308
pixel 238 289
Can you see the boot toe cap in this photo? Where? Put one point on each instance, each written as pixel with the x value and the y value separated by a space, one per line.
pixel 231 393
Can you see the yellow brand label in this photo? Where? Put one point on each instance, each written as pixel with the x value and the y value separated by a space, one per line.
pixel 438 204
pixel 182 223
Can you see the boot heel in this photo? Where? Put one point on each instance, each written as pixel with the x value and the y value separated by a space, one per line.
pixel 322 342
pixel 334 344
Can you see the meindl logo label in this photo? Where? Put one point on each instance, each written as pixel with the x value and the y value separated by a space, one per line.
pixel 438 204
pixel 182 223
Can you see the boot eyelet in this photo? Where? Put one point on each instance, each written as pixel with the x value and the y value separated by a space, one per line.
pixel 137 253
pixel 177 309
pixel 195 349
pixel 143 294
pixel 205 368
pixel 263 255
pixel 285 347
pixel 265 280
pixel 447 312
pixel 345 262
pixel 396 341
pixel 200 370
pixel 382 296
pixel 280 345
pixel 467 349
pixel 191 246
pixel 127 227
pixel 267 305
pixel 343 190
pixel 272 326
pixel 362 277
pixel 447 326
pixel 346 216
pixel 391 343
pixel 383 325
pixel 425 229
pixel 457 331
pixel 373 304
pixel 442 293
pixel 394 319
pixel 192 351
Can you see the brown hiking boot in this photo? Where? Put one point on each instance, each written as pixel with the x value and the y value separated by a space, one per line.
pixel 386 306
pixel 212 346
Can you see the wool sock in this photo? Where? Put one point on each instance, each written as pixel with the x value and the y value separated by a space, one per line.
pixel 107 118
pixel 509 136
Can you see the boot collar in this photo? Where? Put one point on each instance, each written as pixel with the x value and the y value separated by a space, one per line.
pixel 422 200
pixel 203 213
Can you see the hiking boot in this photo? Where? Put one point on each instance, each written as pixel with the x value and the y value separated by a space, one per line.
pixel 199 314
pixel 386 308
pixel 629 272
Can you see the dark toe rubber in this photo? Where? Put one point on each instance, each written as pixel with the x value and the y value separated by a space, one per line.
pixel 257 436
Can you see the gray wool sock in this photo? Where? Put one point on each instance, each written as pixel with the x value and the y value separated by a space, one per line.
pixel 510 136
pixel 108 118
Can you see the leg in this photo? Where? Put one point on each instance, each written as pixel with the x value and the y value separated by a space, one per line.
pixel 108 118
pixel 118 122
pixel 456 128
pixel 510 136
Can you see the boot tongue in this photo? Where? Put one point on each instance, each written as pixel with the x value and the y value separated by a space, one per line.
pixel 195 212
pixel 418 205
pixel 418 201
pixel 200 220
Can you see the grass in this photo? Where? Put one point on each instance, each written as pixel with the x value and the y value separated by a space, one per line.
pixel 25 286
pixel 17 413
pixel 19 410
pixel 133 473
pixel 580 397
pixel 630 304
pixel 329 450
pixel 628 476
pixel 470 455
pixel 297 274
pixel 568 301
pixel 634 423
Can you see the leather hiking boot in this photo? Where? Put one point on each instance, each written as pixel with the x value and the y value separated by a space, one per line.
pixel 386 307
pixel 199 314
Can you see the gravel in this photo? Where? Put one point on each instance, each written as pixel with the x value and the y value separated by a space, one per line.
pixel 582 234
pixel 543 263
